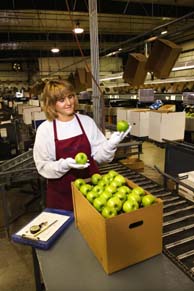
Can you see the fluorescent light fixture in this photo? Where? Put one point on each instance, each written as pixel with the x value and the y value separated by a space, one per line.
pixel 164 32
pixel 112 78
pixel 151 38
pixel 111 54
pixel 114 53
pixel 78 29
pixel 170 80
pixel 181 68
pixel 55 50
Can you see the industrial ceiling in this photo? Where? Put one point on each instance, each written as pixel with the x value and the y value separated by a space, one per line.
pixel 29 29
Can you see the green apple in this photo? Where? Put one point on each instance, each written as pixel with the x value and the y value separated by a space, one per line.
pixel 110 188
pixel 122 125
pixel 108 212
pixel 102 183
pixel 139 190
pixel 99 203
pixel 107 179
pixel 91 196
pixel 95 178
pixel 106 195
pixel 134 196
pixel 120 180
pixel 114 202
pixel 81 158
pixel 98 189
pixel 122 196
pixel 114 184
pixel 148 200
pixel 124 189
pixel 130 205
pixel 112 173
pixel 84 189
pixel 79 182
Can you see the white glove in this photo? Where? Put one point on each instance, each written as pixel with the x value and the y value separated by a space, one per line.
pixel 71 164
pixel 118 136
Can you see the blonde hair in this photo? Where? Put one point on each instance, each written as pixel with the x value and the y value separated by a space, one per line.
pixel 54 90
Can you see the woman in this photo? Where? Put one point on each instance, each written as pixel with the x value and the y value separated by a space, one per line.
pixel 63 135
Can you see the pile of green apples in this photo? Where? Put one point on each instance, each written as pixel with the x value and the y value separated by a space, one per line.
pixel 110 194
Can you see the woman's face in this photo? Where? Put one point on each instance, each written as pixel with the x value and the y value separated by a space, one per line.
pixel 65 107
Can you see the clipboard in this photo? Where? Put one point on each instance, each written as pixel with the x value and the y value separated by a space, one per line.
pixel 44 238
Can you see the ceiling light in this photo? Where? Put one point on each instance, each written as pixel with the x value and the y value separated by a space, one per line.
pixel 114 53
pixel 78 29
pixel 151 38
pixel 16 66
pixel 164 32
pixel 120 76
pixel 181 68
pixel 55 50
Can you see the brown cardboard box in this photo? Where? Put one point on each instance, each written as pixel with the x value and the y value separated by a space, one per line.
pixel 122 152
pixel 135 70
pixel 167 108
pixel 123 240
pixel 162 58
pixel 133 163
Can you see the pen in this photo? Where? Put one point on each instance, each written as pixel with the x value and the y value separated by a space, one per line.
pixel 42 230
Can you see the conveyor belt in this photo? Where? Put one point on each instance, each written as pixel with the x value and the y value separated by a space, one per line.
pixel 178 219
pixel 24 160
pixel 18 169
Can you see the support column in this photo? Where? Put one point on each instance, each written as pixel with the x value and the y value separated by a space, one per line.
pixel 97 96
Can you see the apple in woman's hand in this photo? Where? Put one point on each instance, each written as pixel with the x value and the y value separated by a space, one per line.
pixel 122 125
pixel 81 158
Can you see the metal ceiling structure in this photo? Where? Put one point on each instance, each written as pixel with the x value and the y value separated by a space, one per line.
pixel 29 29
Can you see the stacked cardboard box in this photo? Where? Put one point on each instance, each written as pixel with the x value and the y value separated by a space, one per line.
pixel 166 125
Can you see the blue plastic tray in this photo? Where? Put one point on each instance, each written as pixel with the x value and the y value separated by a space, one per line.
pixel 45 245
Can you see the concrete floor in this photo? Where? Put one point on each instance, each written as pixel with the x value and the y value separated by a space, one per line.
pixel 16 268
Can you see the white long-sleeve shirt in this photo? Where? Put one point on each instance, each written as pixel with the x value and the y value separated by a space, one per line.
pixel 44 147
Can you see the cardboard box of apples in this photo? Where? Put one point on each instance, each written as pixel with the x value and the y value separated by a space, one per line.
pixel 120 221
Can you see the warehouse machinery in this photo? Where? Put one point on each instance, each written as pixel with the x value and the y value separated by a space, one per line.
pixel 15 172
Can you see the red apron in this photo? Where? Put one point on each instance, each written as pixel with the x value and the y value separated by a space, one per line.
pixel 59 193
